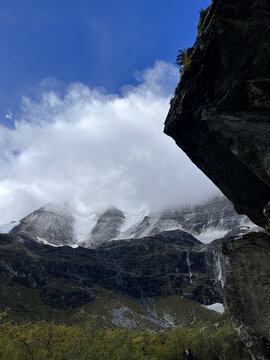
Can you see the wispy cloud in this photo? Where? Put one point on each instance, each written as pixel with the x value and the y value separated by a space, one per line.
pixel 94 150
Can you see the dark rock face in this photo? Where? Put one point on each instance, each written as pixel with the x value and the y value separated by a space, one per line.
pixel 180 264
pixel 220 113
pixel 62 299
pixel 250 255
pixel 220 117
pixel 170 263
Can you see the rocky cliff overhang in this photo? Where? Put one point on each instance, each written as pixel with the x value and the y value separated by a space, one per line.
pixel 220 114
pixel 220 117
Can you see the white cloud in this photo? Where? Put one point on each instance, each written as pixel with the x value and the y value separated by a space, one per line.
pixel 95 150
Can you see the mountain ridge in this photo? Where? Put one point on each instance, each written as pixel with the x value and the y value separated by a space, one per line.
pixel 59 226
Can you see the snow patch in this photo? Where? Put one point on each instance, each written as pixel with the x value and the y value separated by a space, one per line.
pixel 132 219
pixel 75 246
pixel 83 226
pixel 5 228
pixel 218 307
pixel 211 234
pixel 45 242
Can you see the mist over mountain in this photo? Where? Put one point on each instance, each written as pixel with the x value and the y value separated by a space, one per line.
pixel 59 225
pixel 141 256
pixel 96 150
pixel 108 229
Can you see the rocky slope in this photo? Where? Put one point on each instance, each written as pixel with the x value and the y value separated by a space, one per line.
pixel 150 256
pixel 169 263
pixel 148 264
pixel 50 224
pixel 220 118
pixel 141 272
pixel 58 225
pixel 107 227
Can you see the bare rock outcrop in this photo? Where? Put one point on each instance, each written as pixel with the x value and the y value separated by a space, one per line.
pixel 107 227
pixel 220 113
pixel 50 224
pixel 247 293
pixel 220 116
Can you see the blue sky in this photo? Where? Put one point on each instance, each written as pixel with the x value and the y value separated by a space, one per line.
pixel 89 85
pixel 99 43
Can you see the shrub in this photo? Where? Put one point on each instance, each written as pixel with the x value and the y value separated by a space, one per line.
pixel 46 340
pixel 202 13
pixel 182 59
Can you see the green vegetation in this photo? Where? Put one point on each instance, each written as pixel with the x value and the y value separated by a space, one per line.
pixel 203 13
pixel 32 330
pixel 182 59
pixel 46 340
pixel 112 307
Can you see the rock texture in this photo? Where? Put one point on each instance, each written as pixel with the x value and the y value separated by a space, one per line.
pixel 107 227
pixel 220 113
pixel 61 284
pixel 170 263
pixel 52 224
pixel 207 222
pixel 57 225
pixel 220 116
pixel 247 293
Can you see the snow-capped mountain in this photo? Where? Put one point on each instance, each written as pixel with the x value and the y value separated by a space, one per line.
pixel 142 254
pixel 6 228
pixel 51 224
pixel 206 222
pixel 59 225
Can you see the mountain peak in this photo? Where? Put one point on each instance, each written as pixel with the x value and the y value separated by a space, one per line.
pixel 58 225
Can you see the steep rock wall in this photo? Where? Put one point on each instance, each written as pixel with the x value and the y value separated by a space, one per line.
pixel 247 292
pixel 169 263
pixel 220 116
pixel 220 113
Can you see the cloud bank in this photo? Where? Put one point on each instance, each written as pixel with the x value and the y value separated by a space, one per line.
pixel 93 150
